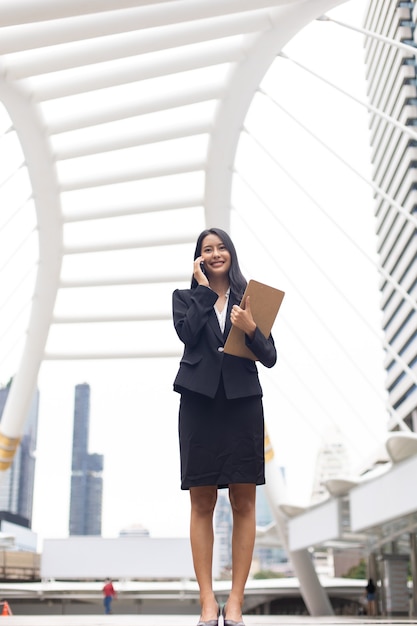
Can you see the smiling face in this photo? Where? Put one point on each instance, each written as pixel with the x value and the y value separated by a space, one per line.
pixel 217 259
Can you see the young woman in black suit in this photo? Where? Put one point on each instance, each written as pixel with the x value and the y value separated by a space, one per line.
pixel 221 424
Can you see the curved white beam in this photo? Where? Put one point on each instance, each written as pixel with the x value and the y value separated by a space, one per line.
pixel 149 242
pixel 110 22
pixel 98 356
pixel 99 77
pixel 29 126
pixel 28 11
pixel 96 52
pixel 234 106
pixel 188 128
pixel 133 173
pixel 133 208
pixel 105 318
pixel 133 109
pixel 114 281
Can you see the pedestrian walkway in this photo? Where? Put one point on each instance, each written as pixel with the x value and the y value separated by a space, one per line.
pixel 189 620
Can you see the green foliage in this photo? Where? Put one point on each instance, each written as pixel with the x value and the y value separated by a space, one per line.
pixel 357 571
pixel 267 573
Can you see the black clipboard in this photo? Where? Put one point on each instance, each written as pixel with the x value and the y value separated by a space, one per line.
pixel 264 302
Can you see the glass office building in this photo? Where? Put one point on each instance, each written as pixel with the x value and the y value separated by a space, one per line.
pixel 16 489
pixel 392 88
pixel 86 472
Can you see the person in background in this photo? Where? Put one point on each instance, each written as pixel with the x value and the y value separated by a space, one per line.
pixel 370 591
pixel 221 421
pixel 109 593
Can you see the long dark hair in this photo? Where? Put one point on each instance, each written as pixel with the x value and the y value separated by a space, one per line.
pixel 236 278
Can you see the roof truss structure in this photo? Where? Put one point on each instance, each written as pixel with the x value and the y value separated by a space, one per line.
pixel 128 114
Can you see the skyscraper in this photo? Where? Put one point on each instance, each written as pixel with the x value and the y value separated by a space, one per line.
pixel 332 462
pixel 86 475
pixel 17 486
pixel 392 88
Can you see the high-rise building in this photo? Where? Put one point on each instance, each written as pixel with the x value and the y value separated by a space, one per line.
pixel 17 486
pixel 86 474
pixel 332 462
pixel 391 75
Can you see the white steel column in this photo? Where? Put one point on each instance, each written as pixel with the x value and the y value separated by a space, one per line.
pixel 28 123
pixel 313 594
pixel 241 88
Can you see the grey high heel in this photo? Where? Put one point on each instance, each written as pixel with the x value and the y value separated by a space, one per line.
pixel 211 622
pixel 229 622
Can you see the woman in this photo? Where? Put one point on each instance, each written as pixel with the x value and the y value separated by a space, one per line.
pixel 221 426
pixel 370 592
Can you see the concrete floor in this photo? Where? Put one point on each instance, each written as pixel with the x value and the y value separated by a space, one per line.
pixel 187 620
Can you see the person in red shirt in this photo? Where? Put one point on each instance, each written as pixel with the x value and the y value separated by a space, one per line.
pixel 109 593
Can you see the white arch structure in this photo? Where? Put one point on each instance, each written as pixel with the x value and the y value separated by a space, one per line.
pixel 43 40
pixel 87 85
pixel 75 33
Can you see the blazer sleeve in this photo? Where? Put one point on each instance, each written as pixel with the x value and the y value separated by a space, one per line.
pixel 263 348
pixel 191 308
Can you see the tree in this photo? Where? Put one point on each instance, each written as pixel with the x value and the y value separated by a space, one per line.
pixel 357 571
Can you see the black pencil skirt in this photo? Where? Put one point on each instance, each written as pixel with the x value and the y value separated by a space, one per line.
pixel 221 440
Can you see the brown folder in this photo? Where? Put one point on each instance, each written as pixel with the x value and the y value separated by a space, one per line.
pixel 264 303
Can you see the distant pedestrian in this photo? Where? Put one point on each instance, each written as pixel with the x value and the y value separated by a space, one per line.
pixel 109 593
pixel 371 597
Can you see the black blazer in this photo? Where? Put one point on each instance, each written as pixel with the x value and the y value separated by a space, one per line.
pixel 204 360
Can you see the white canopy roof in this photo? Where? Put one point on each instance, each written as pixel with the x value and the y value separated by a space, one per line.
pixel 129 113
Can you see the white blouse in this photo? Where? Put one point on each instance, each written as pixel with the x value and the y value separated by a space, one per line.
pixel 221 315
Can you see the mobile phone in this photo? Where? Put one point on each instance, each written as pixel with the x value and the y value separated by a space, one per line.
pixel 202 267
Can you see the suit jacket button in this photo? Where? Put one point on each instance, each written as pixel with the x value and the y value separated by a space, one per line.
pixel 220 349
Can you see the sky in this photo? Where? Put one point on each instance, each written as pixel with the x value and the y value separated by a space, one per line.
pixel 320 250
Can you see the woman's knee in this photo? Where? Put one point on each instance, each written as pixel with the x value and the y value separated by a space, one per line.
pixel 242 498
pixel 203 500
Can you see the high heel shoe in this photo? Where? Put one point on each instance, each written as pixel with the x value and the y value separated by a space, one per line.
pixel 211 622
pixel 229 622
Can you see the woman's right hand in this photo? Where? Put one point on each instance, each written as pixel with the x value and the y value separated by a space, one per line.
pixel 199 275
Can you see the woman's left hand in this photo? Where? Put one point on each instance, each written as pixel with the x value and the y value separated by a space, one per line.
pixel 243 319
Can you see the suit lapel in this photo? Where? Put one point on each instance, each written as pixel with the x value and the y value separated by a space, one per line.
pixel 214 324
pixel 232 300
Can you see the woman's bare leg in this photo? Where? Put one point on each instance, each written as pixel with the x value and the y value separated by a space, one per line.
pixel 242 500
pixel 203 501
